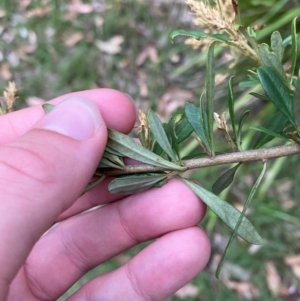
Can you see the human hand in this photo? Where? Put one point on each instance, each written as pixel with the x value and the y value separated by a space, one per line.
pixel 45 163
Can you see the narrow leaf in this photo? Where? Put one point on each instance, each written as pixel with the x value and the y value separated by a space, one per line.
pixel 172 130
pixel 240 128
pixel 294 48
pixel 276 45
pixel 266 131
pixel 160 134
pixel 287 41
pixel 238 224
pixel 277 91
pixel 48 107
pixel 111 161
pixel 105 163
pixel 135 183
pixel 129 148
pixel 251 82
pixel 194 156
pixel 199 35
pixel 228 214
pixel 260 96
pixel 270 60
pixel 296 101
pixel 276 125
pixel 183 130
pixel 249 38
pixel 225 179
pixel 114 158
pixel 112 151
pixel 210 93
pixel 194 117
pixel 93 184
pixel 203 113
pixel 231 108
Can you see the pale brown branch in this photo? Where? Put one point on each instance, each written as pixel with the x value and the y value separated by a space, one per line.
pixel 245 156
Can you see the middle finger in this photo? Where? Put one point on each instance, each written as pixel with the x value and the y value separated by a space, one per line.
pixel 80 243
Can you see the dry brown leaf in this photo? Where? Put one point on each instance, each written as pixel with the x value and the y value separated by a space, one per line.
pixel 292 260
pixel 284 194
pixel 148 52
pixel 273 279
pixel 112 46
pixel 24 3
pixel 142 80
pixel 73 39
pixel 244 289
pixel 173 99
pixel 254 248
pixel 188 290
pixel 77 7
pixel 39 12
pixel 294 263
pixel 26 49
pixel 5 72
pixel 34 101
pixel 2 13
pixel 240 207
pixel 10 94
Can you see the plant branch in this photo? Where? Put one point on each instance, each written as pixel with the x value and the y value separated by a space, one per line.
pixel 245 156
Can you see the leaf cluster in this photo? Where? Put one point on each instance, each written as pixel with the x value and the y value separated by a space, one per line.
pixel 160 143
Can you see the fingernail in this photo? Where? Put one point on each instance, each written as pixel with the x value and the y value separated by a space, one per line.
pixel 75 117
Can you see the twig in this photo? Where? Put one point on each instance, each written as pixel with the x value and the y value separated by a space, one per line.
pixel 245 156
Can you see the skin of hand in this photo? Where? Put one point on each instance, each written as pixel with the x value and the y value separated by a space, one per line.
pixel 45 163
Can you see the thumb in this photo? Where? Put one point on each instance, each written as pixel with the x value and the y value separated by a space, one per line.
pixel 43 172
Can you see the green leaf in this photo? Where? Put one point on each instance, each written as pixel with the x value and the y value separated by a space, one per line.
pixel 195 118
pixel 248 83
pixel 160 134
pixel 198 35
pixel 251 32
pixel 270 60
pixel 260 96
pixel 160 183
pixel 252 81
pixel 93 184
pixel 296 100
pixel 131 184
pixel 266 131
pixel 287 41
pixel 238 224
pixel 276 45
pixel 294 47
pixel 105 163
pixel 172 130
pixel 276 125
pixel 203 113
pixel 228 214
pixel 127 147
pixel 183 130
pixel 277 91
pixel 231 107
pixel 48 107
pixel 112 151
pixel 225 179
pixel 210 94
pixel 249 38
pixel 111 161
pixel 240 128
